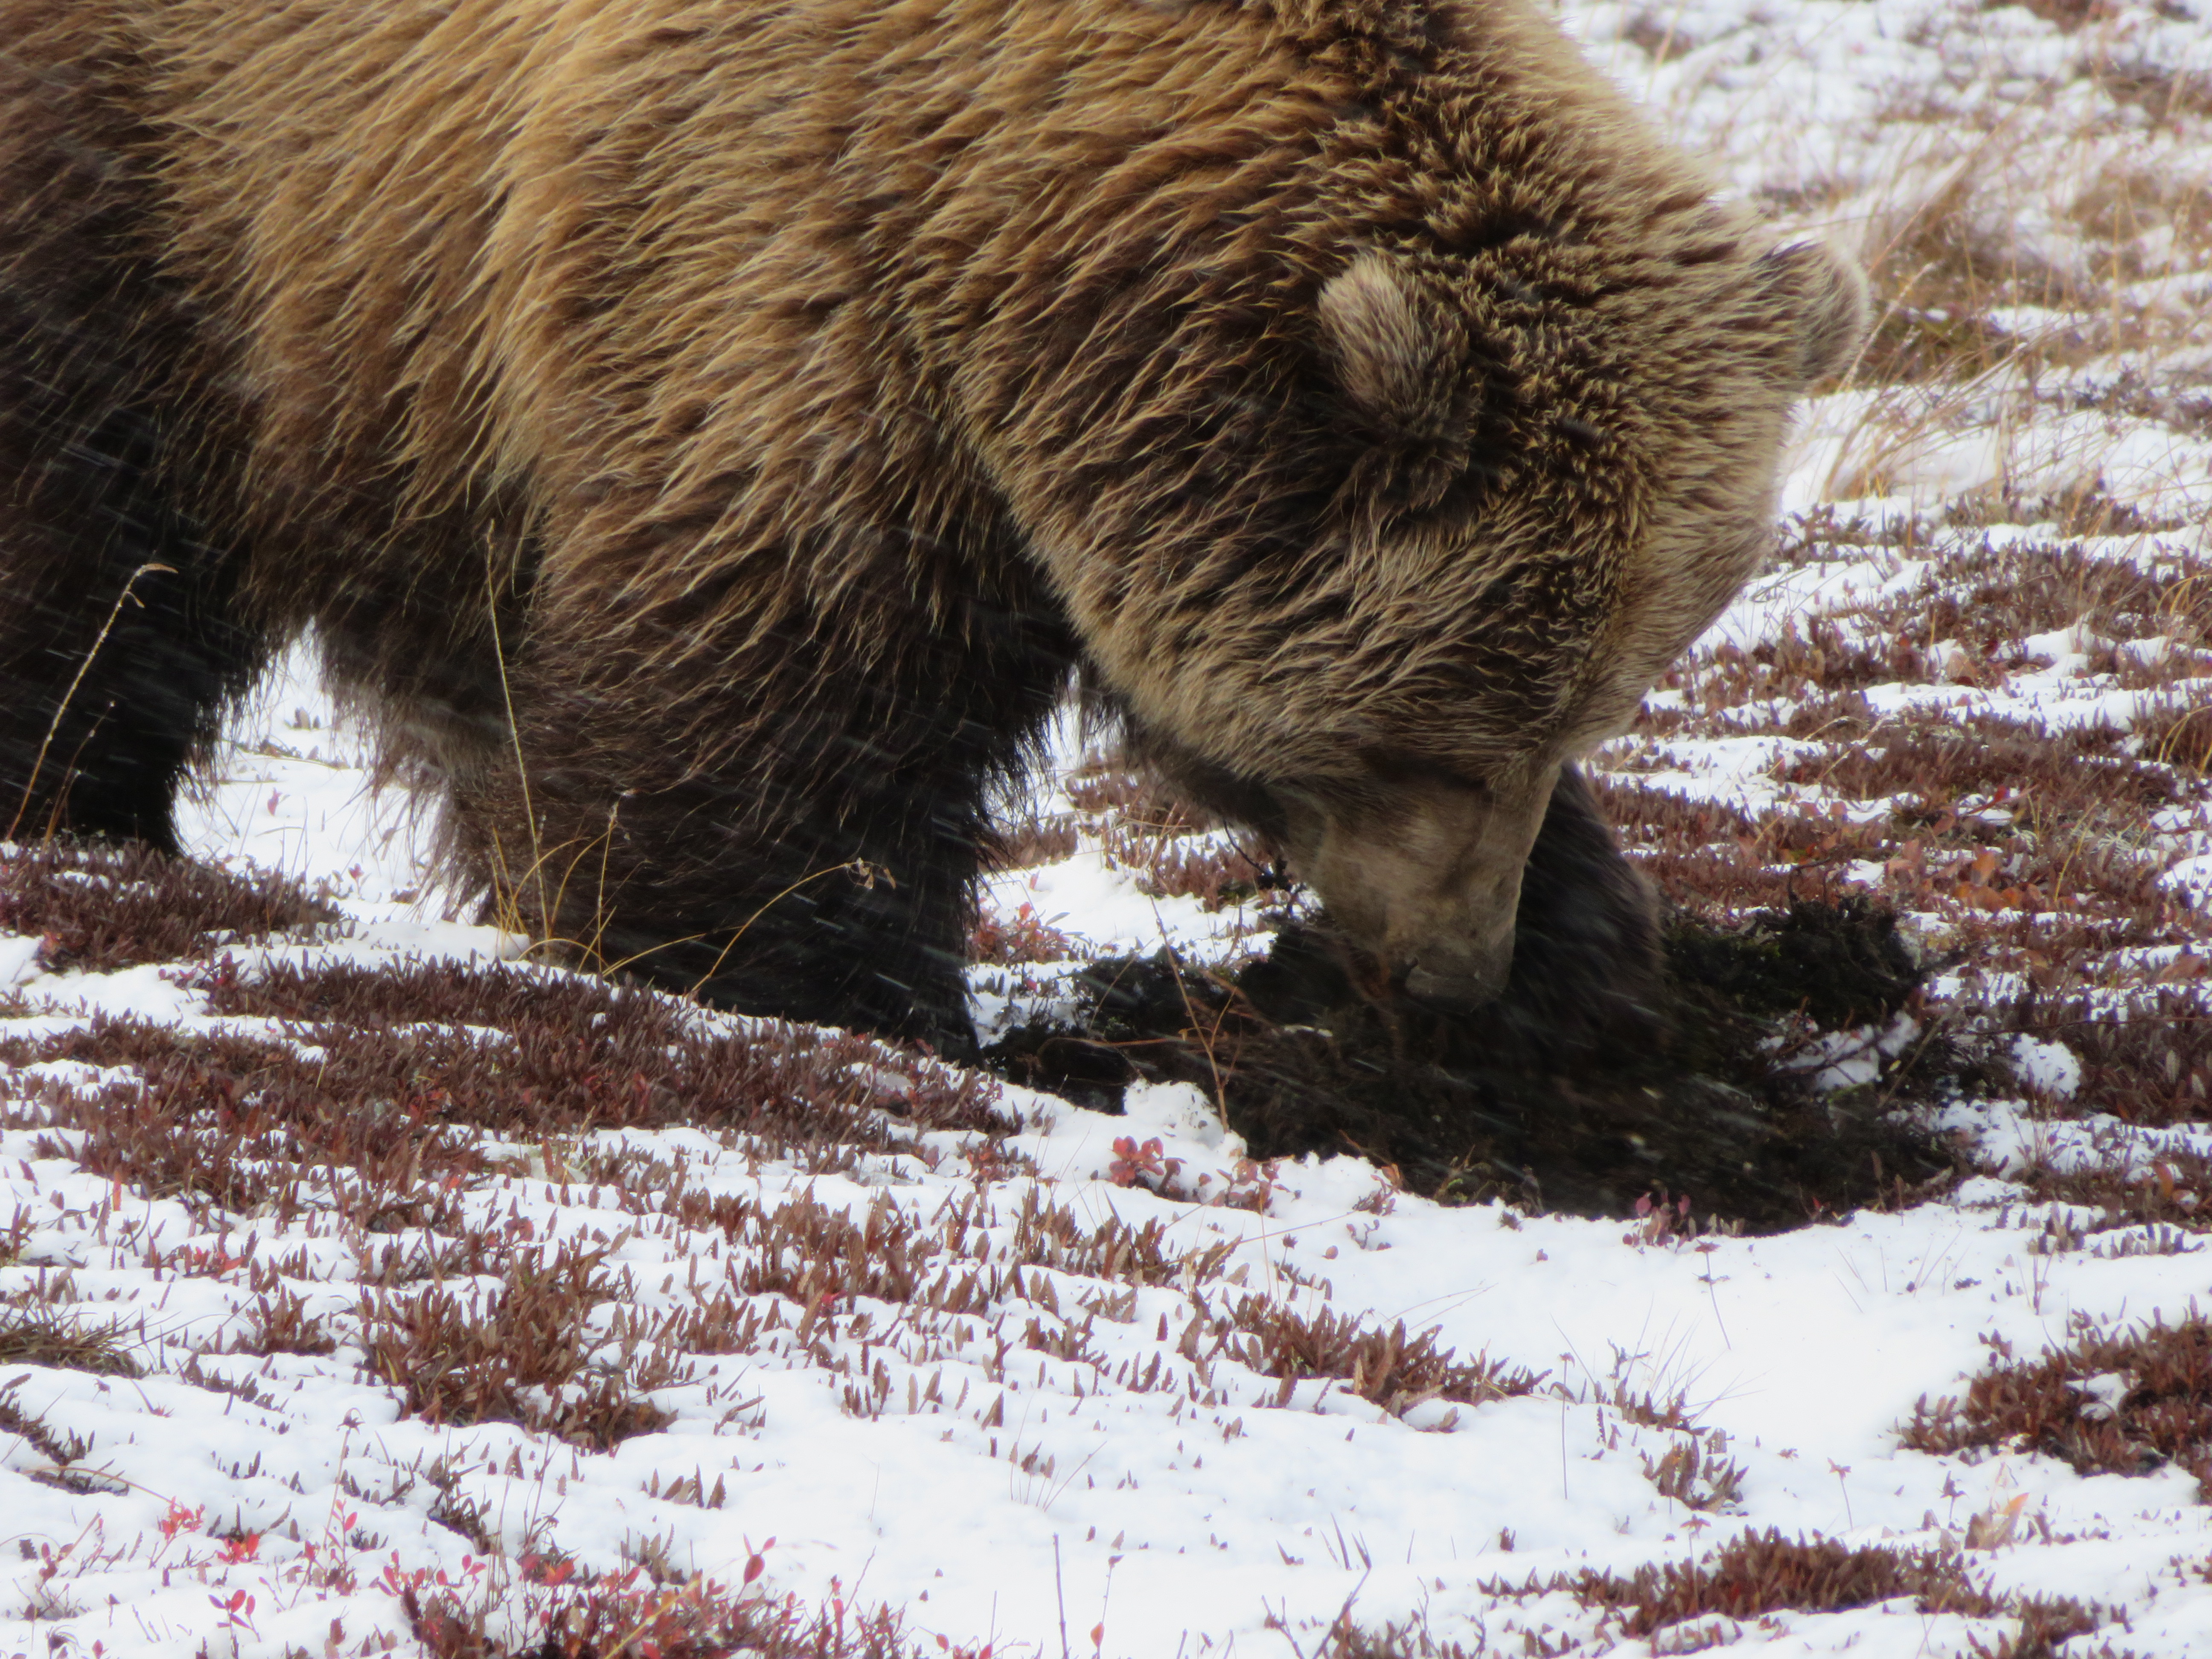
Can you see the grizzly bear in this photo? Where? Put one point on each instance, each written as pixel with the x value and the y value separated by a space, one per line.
pixel 710 435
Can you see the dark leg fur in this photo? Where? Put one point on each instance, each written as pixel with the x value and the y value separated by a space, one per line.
pixel 823 868
pixel 1586 946
pixel 118 649
pixel 119 636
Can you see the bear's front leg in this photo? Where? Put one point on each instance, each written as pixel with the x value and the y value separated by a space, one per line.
pixel 792 825
pixel 1587 949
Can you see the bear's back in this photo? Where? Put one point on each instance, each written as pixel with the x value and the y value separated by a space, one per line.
pixel 595 249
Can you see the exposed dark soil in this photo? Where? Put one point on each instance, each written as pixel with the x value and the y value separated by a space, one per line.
pixel 1697 1097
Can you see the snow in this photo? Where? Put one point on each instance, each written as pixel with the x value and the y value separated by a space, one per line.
pixel 237 1503
pixel 1199 1511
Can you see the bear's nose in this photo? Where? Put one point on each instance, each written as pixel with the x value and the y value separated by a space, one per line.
pixel 1461 979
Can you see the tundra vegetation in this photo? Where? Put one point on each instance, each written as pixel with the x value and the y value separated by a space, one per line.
pixel 365 1288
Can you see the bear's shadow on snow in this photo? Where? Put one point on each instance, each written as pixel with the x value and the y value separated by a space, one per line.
pixel 1707 1097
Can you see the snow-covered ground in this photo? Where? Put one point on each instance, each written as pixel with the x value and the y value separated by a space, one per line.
pixel 1026 1400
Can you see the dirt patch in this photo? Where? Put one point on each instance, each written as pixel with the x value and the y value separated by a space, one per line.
pixel 1707 1097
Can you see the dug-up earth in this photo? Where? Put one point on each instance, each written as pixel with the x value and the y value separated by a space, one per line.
pixel 368 1285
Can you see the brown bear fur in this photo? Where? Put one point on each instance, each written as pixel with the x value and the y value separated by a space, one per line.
pixel 709 433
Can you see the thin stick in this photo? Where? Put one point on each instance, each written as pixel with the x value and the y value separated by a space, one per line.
pixel 601 916
pixel 859 868
pixel 55 812
pixel 1059 1590
pixel 514 736
pixel 1174 966
pixel 83 668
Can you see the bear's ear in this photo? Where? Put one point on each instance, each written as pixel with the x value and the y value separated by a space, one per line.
pixel 1827 296
pixel 1392 351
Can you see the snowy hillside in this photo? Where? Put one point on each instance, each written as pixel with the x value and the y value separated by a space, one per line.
pixel 367 1286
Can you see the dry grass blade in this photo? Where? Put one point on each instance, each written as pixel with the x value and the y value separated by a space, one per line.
pixel 39 1333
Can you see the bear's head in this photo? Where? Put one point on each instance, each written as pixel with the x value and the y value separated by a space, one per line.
pixel 1530 483
pixel 1579 567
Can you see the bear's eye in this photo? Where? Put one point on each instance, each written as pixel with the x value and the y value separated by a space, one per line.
pixel 1465 499
pixel 1497 592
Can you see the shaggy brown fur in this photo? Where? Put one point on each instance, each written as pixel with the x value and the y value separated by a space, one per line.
pixel 768 405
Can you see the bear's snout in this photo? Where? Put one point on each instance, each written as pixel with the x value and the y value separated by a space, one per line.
pixel 1461 979
pixel 1426 876
pixel 1466 956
